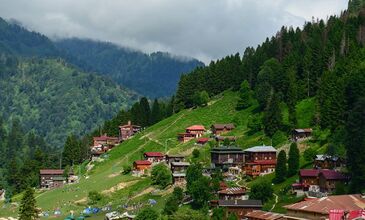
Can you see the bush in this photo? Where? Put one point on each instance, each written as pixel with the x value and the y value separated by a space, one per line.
pixel 196 153
pixel 94 197
pixel 127 169
pixel 309 154
pixel 147 214
pixel 262 191
pixel 255 123
pixel 278 138
pixel 161 175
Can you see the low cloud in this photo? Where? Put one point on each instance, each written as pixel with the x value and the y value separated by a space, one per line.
pixel 203 29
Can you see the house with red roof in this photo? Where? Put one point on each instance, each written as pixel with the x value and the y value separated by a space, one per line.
pixel 52 178
pixel 140 166
pixel 202 140
pixel 232 193
pixel 218 129
pixel 154 157
pixel 330 207
pixel 260 160
pixel 192 132
pixel 325 179
pixel 105 140
pixel 128 130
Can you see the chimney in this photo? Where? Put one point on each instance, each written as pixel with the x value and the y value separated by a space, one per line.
pixel 129 122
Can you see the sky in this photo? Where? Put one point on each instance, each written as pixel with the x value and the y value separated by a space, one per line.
pixel 203 29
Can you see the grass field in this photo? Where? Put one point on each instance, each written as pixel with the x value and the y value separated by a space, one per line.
pixel 120 189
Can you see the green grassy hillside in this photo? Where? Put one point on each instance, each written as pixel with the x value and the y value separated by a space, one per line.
pixel 117 189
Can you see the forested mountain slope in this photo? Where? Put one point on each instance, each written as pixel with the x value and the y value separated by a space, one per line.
pixel 154 75
pixel 54 99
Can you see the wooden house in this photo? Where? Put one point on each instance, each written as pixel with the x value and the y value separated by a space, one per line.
pixel 300 133
pixel 52 178
pixel 128 130
pixel 185 137
pixel 218 129
pixel 262 215
pixel 328 180
pixel 323 161
pixel 179 167
pixel 192 132
pixel 174 158
pixel 323 208
pixel 325 179
pixel 105 140
pixel 260 160
pixel 198 130
pixel 141 165
pixel 233 193
pixel 222 138
pixel 179 179
pixel 227 156
pixel 239 207
pixel 154 157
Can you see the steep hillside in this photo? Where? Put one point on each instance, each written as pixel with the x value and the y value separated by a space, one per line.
pixel 17 40
pixel 55 99
pixel 119 189
pixel 154 75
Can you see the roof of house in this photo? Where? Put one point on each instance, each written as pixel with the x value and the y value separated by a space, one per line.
pixel 308 172
pixel 202 140
pixel 222 126
pixel 227 149
pixel 258 214
pixel 303 130
pixel 142 162
pixel 327 174
pixel 325 204
pixel 51 172
pixel 233 191
pixel 323 157
pixel 332 175
pixel 261 149
pixel 240 203
pixel 222 138
pixel 153 154
pixel 196 127
pixel 263 162
pixel 178 174
pixel 176 164
pixel 104 138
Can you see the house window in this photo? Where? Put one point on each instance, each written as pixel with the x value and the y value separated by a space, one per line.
pixel 265 158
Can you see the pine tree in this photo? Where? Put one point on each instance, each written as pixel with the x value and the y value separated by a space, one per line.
pixel 145 111
pixel 280 169
pixel 28 209
pixel 245 95
pixel 156 114
pixel 293 160
pixel 272 118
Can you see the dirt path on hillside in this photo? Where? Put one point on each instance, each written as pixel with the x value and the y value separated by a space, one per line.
pixel 276 202
pixel 119 186
pixel 143 192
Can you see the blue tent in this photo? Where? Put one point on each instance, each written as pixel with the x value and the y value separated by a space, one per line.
pixel 96 210
pixel 152 202
pixel 87 211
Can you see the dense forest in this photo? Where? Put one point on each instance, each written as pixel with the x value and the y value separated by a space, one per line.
pixel 54 99
pixel 323 60
pixel 154 75
pixel 22 154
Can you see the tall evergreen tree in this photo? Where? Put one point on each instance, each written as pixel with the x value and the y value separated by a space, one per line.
pixel 280 169
pixel 156 114
pixel 28 209
pixel 293 160
pixel 272 118
pixel 145 111
pixel 355 140
pixel 245 95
